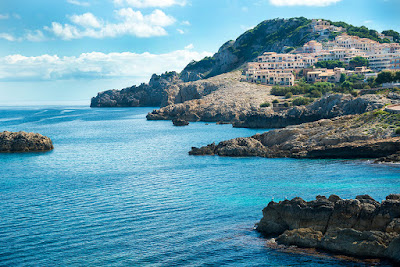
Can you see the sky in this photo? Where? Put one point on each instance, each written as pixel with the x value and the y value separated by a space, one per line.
pixel 65 51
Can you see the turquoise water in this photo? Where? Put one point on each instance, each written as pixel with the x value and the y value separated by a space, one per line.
pixel 119 190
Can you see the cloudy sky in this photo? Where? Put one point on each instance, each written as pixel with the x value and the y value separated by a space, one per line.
pixel 68 50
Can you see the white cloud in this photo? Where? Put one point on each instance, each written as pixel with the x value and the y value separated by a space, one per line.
pixel 303 2
pixel 78 3
pixel 35 36
pixel 181 31
pixel 189 47
pixel 186 23
pixel 150 3
pixel 4 16
pixel 87 20
pixel 7 37
pixel 94 65
pixel 132 23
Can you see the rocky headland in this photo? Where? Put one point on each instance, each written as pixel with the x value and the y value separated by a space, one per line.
pixel 24 142
pixel 223 98
pixel 370 135
pixel 361 227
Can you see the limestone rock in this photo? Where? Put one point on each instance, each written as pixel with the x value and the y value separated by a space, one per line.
pixel 24 142
pixel 180 122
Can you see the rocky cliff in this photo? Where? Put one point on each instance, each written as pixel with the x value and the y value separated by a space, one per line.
pixel 370 135
pixel 156 93
pixel 221 98
pixel 359 227
pixel 327 107
pixel 24 142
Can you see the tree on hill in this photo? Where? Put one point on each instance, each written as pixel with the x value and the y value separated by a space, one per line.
pixel 358 62
pixel 394 34
pixel 385 77
pixel 330 64
pixel 397 76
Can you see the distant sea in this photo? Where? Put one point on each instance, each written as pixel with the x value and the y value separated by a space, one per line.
pixel 121 191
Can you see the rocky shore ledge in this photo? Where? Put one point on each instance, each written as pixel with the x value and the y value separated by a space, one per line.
pixel 360 227
pixel 370 135
pixel 24 142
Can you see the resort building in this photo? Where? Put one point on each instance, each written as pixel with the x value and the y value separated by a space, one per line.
pixel 271 77
pixel 312 47
pixel 379 62
pixel 325 75
pixel 395 63
pixel 272 61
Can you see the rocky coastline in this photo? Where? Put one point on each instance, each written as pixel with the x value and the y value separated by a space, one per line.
pixel 369 135
pixel 24 142
pixel 360 227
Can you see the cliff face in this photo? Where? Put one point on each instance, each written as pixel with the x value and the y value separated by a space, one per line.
pixel 359 227
pixel 270 35
pixel 328 107
pixel 370 135
pixel 156 93
pixel 220 98
pixel 24 142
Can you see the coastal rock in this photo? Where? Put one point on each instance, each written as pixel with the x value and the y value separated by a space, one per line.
pixel 24 142
pixel 330 106
pixel 179 122
pixel 349 137
pixel 359 227
pixel 158 91
pixel 223 98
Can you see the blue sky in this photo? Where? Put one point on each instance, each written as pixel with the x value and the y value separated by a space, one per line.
pixel 68 50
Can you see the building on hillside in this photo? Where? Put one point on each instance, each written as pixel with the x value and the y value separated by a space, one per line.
pixel 312 47
pixel 272 61
pixel 395 63
pixel 324 27
pixel 382 36
pixel 325 75
pixel 379 62
pixel 270 77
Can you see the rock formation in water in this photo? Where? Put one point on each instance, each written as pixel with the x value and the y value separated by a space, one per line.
pixel 153 94
pixel 370 135
pixel 359 227
pixel 180 122
pixel 24 142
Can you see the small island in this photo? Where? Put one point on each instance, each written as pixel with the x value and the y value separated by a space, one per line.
pixel 24 142
pixel 360 227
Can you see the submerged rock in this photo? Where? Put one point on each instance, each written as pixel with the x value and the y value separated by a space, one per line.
pixel 359 227
pixel 180 122
pixel 24 142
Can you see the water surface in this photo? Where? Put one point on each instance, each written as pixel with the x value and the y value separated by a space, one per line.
pixel 119 190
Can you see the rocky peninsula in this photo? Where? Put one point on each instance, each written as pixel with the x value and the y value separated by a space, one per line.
pixel 24 142
pixel 360 227
pixel 370 135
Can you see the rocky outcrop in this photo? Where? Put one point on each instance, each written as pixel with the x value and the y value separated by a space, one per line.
pixel 359 227
pixel 24 142
pixel 270 35
pixel 180 122
pixel 157 92
pixel 223 98
pixel 327 107
pixel 354 136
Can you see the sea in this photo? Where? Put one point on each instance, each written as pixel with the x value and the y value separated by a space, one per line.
pixel 118 190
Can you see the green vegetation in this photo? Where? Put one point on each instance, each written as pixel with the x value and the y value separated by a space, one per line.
pixel 288 95
pixel 204 64
pixel 275 101
pixel 394 34
pixel 358 62
pixel 330 64
pixel 388 77
pixel 397 131
pixel 303 88
pixel 265 105
pixel 301 101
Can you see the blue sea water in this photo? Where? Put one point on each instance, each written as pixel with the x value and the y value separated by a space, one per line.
pixel 121 191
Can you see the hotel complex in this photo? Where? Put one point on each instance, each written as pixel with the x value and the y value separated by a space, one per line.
pixel 278 69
